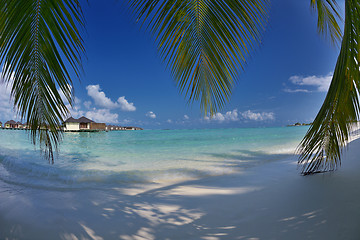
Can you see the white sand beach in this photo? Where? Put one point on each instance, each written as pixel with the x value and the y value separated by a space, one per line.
pixel 272 201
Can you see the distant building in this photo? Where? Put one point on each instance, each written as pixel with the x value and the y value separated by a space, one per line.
pixel 120 128
pixel 133 128
pixel 82 124
pixel 19 125
pixel 11 124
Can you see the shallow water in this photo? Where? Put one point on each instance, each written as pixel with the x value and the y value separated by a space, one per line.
pixel 106 159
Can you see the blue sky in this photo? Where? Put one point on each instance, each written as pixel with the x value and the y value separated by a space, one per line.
pixel 126 83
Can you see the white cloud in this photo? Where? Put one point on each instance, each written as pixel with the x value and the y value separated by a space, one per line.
pixel 228 116
pixel 186 117
pixel 87 104
pixel 235 115
pixel 321 83
pixel 232 115
pixel 6 105
pixel 126 121
pixel 75 110
pixel 7 111
pixel 125 105
pixel 218 117
pixel 169 121
pixel 151 114
pixel 5 91
pixel 98 115
pixel 100 99
pixel 263 116
pixel 102 116
pixel 288 90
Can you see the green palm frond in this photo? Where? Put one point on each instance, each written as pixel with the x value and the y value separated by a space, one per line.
pixel 204 42
pixel 38 39
pixel 320 150
pixel 328 16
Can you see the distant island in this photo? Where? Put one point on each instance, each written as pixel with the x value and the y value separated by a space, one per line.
pixel 299 124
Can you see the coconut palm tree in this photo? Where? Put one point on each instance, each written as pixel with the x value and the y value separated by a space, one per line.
pixel 321 148
pixel 37 38
pixel 205 44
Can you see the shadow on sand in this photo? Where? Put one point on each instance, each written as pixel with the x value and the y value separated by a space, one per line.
pixel 271 202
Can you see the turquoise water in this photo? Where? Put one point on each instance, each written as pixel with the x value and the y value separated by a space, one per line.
pixel 123 157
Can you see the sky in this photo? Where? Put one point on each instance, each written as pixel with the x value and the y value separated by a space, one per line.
pixel 126 83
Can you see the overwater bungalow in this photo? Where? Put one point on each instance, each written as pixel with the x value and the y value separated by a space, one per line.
pixel 116 128
pixel 19 125
pixel 82 124
pixel 11 124
pixel 133 128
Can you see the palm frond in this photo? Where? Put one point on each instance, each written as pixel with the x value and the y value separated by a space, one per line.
pixel 205 43
pixel 38 39
pixel 321 148
pixel 328 16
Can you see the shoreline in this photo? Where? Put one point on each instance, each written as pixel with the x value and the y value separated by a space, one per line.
pixel 271 201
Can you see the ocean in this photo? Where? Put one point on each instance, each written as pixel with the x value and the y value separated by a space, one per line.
pixel 108 159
